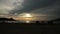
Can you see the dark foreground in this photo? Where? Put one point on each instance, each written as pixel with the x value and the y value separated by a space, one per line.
pixel 28 29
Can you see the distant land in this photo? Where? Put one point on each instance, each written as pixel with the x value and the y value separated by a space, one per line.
pixel 11 20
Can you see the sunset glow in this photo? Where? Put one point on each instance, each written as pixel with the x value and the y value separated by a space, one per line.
pixel 27 15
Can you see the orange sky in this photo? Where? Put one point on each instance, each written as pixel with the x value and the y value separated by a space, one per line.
pixel 30 19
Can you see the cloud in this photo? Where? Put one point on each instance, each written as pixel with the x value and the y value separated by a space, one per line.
pixel 45 7
pixel 39 7
pixel 48 11
pixel 34 4
pixel 7 5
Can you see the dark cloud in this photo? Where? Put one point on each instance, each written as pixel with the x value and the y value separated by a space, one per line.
pixel 35 4
pixel 48 7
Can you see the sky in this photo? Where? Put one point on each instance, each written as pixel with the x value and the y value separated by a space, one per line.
pixel 39 8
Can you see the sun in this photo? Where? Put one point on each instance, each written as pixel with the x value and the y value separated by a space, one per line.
pixel 26 15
